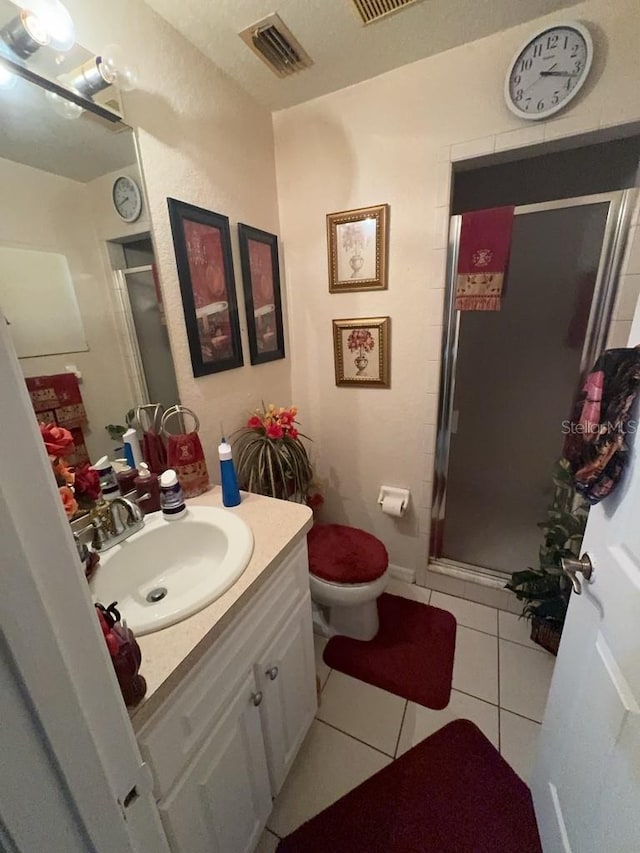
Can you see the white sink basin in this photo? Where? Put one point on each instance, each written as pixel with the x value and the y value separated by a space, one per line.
pixel 185 564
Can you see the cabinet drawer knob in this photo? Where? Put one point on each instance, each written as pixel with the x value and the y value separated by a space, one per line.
pixel 256 698
pixel 273 673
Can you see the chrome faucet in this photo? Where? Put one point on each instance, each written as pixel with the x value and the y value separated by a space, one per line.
pixel 112 530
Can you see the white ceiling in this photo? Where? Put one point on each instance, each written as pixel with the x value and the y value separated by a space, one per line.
pixel 343 49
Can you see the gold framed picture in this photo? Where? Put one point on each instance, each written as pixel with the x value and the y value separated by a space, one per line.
pixel 361 350
pixel 357 249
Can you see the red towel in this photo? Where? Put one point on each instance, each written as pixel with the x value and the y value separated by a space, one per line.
pixel 485 243
pixel 57 399
pixel 186 456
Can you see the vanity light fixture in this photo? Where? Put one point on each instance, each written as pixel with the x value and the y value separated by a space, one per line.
pixel 44 23
pixel 100 72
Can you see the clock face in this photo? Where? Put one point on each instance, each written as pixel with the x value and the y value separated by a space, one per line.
pixel 549 71
pixel 127 198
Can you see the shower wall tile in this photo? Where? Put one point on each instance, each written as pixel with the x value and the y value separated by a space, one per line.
pixel 519 138
pixel 430 350
pixel 633 257
pixel 429 438
pixel 444 583
pixel 432 377
pixel 473 148
pixel 434 305
pixel 441 227
pixel 439 267
pixel 431 412
pixel 629 292
pixel 619 334
pixel 443 178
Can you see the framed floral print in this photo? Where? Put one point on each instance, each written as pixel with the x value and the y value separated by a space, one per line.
pixel 261 284
pixel 361 352
pixel 202 244
pixel 357 249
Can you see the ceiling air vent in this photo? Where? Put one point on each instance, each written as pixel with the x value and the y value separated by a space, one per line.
pixel 374 10
pixel 274 43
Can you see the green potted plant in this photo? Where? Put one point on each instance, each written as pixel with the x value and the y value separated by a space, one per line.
pixel 546 590
pixel 270 457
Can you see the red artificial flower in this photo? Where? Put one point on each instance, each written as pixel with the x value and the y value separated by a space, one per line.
pixel 58 441
pixel 68 501
pixel 286 419
pixel 293 432
pixel 87 483
pixel 275 431
pixel 254 422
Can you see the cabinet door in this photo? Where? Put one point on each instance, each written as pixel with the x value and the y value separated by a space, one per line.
pixel 222 801
pixel 286 674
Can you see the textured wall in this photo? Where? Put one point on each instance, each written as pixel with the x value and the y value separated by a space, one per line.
pixel 393 139
pixel 204 141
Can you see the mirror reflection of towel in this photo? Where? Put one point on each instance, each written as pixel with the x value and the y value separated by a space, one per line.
pixel 57 399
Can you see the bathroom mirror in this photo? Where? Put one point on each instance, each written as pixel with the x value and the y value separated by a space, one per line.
pixel 77 273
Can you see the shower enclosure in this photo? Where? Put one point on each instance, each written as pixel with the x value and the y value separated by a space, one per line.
pixel 509 379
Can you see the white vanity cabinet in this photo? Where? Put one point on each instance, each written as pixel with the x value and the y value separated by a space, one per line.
pixel 221 744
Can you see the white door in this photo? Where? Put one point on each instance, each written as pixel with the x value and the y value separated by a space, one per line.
pixel 66 725
pixel 286 675
pixel 586 783
pixel 223 800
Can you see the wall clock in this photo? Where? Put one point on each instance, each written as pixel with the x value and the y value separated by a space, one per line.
pixel 548 71
pixel 127 198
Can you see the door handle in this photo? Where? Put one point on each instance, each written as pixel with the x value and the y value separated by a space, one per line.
pixel 272 673
pixel 572 565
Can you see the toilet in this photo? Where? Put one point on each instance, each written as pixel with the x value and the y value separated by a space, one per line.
pixel 348 572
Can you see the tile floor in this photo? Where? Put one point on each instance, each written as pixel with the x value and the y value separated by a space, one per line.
pixel 500 682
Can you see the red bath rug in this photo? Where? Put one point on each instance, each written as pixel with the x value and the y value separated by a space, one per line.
pixel 451 793
pixel 411 655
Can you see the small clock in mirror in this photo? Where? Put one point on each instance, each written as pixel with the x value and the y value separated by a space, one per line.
pixel 127 198
pixel 548 71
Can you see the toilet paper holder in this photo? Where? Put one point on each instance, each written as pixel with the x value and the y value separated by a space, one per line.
pixel 394 492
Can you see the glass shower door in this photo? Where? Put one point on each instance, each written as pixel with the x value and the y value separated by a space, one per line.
pixel 513 382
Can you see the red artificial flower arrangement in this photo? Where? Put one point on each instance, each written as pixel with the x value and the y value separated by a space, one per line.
pixel 79 488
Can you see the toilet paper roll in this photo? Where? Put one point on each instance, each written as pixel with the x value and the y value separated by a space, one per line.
pixel 393 505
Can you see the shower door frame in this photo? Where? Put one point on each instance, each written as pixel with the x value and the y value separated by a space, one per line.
pixel 621 204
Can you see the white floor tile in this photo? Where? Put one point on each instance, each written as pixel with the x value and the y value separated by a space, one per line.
pixel 511 627
pixel 408 590
pixel 518 742
pixel 468 613
pixel 322 670
pixel 329 765
pixel 525 676
pixel 475 668
pixel 268 843
pixel 362 710
pixel 420 722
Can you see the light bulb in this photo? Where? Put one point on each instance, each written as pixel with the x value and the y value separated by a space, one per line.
pixel 63 107
pixel 55 20
pixel 7 79
pixel 115 68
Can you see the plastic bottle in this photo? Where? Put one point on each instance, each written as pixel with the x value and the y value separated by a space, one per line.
pixel 132 448
pixel 171 497
pixel 108 483
pixel 230 490
pixel 147 483
pixel 126 477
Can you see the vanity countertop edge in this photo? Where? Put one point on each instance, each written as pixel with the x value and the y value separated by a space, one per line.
pixel 170 654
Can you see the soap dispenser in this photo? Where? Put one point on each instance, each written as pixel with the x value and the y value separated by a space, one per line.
pixel 147 483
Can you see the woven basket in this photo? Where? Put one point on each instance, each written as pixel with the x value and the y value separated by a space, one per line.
pixel 545 635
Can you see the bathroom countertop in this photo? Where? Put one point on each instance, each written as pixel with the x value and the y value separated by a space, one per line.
pixel 168 655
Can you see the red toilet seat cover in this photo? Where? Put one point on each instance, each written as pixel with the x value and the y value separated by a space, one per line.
pixel 342 554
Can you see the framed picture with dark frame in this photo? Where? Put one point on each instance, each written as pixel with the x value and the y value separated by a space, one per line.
pixel 202 243
pixel 261 284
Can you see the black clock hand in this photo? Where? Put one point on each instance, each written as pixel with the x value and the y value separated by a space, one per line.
pixel 542 74
pixel 557 74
